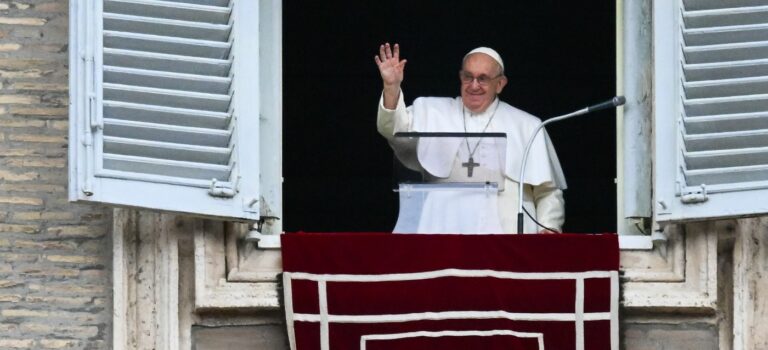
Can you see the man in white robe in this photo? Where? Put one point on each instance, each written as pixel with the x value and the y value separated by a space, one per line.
pixel 478 109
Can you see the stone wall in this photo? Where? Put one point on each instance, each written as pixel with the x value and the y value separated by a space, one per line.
pixel 55 257
pixel 689 334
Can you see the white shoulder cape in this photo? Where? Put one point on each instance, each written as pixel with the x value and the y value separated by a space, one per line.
pixel 441 114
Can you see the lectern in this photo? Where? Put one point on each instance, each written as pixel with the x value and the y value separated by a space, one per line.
pixel 458 178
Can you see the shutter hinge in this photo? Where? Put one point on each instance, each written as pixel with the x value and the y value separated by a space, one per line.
pixel 93 113
pixel 222 189
pixel 698 195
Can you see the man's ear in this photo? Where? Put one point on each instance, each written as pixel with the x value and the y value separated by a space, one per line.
pixel 502 83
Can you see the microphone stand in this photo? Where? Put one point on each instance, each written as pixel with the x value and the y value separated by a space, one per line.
pixel 614 102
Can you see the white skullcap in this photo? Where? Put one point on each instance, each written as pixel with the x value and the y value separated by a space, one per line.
pixel 490 52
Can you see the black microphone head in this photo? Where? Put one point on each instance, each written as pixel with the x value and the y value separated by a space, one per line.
pixel 619 100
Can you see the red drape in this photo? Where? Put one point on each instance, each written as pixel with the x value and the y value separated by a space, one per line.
pixel 397 291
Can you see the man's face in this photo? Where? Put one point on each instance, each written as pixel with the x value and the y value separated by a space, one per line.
pixel 481 81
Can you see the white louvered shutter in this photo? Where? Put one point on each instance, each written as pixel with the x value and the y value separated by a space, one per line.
pixel 166 105
pixel 711 108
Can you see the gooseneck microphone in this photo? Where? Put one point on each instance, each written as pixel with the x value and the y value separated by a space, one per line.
pixel 612 103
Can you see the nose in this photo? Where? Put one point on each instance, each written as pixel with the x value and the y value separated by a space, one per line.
pixel 475 84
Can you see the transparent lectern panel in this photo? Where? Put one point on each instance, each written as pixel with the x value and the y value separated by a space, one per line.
pixel 449 182
pixel 467 208
pixel 450 157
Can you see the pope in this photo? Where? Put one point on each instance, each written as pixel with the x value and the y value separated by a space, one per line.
pixel 477 109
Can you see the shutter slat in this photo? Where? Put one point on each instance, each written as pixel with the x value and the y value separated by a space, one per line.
pixel 166 62
pixel 726 140
pixel 694 5
pixel 170 10
pixel 725 17
pixel 727 87
pixel 725 105
pixel 726 35
pixel 162 167
pixel 166 27
pixel 166 44
pixel 727 175
pixel 166 115
pixel 166 133
pixel 726 122
pixel 205 2
pixel 726 52
pixel 165 97
pixel 726 158
pixel 166 150
pixel 167 80
pixel 725 70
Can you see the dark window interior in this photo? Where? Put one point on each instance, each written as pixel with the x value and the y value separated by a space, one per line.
pixel 559 57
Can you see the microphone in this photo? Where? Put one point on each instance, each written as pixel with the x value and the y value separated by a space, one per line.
pixel 614 102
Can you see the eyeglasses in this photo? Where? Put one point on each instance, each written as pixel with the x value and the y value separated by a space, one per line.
pixel 484 80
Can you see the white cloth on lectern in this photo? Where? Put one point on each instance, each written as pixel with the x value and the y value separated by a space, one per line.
pixel 460 212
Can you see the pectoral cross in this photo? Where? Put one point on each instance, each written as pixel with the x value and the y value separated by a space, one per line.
pixel 470 165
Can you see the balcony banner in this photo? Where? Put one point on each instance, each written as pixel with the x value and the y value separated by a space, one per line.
pixel 400 291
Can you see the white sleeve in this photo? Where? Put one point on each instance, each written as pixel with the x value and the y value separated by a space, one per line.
pixel 550 205
pixel 390 121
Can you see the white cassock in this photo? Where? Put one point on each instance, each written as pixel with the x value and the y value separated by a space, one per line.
pixel 460 213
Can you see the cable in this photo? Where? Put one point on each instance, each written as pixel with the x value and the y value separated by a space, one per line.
pixel 537 223
pixel 637 225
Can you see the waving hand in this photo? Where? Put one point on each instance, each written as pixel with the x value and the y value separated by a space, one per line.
pixel 391 69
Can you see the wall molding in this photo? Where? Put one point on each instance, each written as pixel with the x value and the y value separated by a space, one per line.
pixel 679 275
pixel 213 287
pixel 146 279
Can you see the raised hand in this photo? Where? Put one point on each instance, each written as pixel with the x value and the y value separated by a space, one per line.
pixel 391 69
